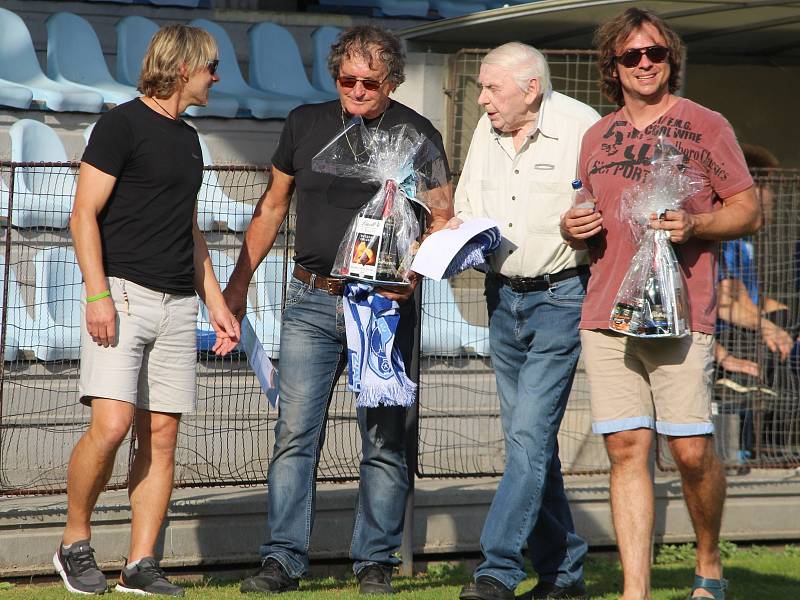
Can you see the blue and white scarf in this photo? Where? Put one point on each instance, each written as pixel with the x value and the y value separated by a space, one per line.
pixel 473 253
pixel 375 369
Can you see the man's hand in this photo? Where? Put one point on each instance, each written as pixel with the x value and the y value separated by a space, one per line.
pixel 776 339
pixel 579 224
pixel 400 294
pixel 236 300
pixel 227 329
pixel 101 321
pixel 454 223
pixel 679 223
pixel 734 364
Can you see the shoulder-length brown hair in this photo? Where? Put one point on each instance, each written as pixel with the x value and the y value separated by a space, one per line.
pixel 171 47
pixel 612 33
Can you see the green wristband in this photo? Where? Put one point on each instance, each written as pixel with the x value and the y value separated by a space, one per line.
pixel 99 296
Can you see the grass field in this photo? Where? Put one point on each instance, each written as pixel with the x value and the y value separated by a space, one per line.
pixel 755 573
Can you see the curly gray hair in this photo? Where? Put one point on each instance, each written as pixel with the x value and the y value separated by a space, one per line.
pixel 367 42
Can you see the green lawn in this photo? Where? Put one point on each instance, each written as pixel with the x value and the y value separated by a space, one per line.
pixel 755 574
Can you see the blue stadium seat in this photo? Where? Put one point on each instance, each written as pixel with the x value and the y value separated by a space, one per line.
pixel 383 8
pixel 20 328
pixel 262 105
pixel 213 204
pixel 276 66
pixel 19 64
pixel 445 332
pixel 323 37
pixel 58 304
pixel 74 55
pixel 223 268
pixel 133 36
pixel 42 197
pixel 14 95
pixel 456 8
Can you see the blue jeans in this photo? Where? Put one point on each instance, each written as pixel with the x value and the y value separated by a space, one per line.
pixel 534 347
pixel 312 357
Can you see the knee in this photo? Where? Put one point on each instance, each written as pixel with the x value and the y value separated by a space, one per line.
pixel 158 437
pixel 694 455
pixel 108 434
pixel 628 448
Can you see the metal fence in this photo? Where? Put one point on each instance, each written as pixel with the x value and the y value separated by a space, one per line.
pixel 229 439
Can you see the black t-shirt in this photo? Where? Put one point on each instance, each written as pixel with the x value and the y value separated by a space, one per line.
pixel 325 203
pixel 146 225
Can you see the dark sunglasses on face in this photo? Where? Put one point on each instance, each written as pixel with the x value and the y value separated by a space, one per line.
pixel 370 85
pixel 212 66
pixel 631 58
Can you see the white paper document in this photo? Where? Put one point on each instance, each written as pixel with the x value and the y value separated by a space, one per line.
pixel 262 366
pixel 439 248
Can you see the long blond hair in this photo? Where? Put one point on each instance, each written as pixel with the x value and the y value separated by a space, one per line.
pixel 171 48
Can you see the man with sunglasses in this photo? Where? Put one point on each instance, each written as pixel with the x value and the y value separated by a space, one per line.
pixel 367 63
pixel 143 261
pixel 521 160
pixel 639 385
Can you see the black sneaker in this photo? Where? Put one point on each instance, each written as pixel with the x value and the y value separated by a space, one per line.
pixel 546 589
pixel 486 588
pixel 78 569
pixel 375 579
pixel 271 579
pixel 146 578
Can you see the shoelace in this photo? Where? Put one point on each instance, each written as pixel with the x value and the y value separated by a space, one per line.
pixel 383 573
pixel 272 567
pixel 81 560
pixel 153 569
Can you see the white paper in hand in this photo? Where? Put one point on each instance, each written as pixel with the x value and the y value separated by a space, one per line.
pixel 438 249
pixel 262 366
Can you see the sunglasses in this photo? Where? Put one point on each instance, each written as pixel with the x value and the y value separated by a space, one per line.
pixel 212 66
pixel 631 58
pixel 370 85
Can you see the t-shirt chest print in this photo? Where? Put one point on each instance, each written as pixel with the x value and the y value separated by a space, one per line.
pixel 625 152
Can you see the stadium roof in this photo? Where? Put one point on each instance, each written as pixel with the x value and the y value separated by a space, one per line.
pixel 718 30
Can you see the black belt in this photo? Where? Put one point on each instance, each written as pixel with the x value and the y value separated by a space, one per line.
pixel 541 282
pixel 333 285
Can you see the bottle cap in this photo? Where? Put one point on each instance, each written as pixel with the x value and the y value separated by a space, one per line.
pixel 577 184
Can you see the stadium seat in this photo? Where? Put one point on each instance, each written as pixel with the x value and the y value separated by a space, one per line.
pixel 323 38
pixel 276 66
pixel 14 95
pixel 20 328
pixel 445 332
pixel 213 204
pixel 42 196
pixel 271 281
pixel 133 36
pixel 262 105
pixel 456 8
pixel 74 55
pixel 383 8
pixel 223 268
pixel 58 304
pixel 19 64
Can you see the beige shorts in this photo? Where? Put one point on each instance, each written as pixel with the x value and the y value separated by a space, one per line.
pixel 655 383
pixel 153 362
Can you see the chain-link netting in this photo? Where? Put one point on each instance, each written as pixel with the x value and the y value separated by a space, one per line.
pixel 229 439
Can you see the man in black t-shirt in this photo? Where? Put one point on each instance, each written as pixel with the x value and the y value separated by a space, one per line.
pixel 142 257
pixel 367 63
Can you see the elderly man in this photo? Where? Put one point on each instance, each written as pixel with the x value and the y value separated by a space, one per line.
pixel 638 385
pixel 142 257
pixel 367 63
pixel 521 161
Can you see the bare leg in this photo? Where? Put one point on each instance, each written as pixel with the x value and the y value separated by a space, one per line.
pixel 92 462
pixel 632 507
pixel 151 478
pixel 703 480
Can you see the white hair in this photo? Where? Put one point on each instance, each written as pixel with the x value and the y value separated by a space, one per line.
pixel 524 62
